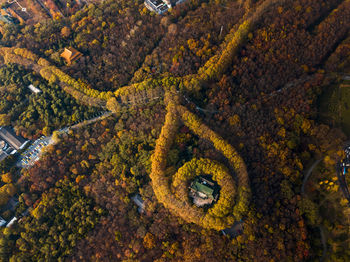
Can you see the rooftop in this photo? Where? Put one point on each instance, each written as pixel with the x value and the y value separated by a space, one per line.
pixel 161 6
pixel 34 89
pixel 203 191
pixel 2 222
pixel 10 137
pixel 156 6
pixel 70 54
pixel 139 202
pixel 13 220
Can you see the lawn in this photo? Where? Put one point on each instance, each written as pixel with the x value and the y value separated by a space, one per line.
pixel 334 106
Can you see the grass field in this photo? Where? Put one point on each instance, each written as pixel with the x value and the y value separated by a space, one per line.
pixel 334 106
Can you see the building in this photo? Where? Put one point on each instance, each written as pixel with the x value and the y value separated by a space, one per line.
pixel 34 89
pixel 6 16
pixel 235 230
pixel 161 6
pixel 13 220
pixel 9 136
pixel 2 222
pixel 17 12
pixel 5 150
pixel 203 191
pixel 139 202
pixel 157 6
pixel 168 3
pixel 71 54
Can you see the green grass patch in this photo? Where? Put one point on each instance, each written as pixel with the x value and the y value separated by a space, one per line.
pixel 334 106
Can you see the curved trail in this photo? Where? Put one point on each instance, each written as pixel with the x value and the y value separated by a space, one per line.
pixel 308 174
pixel 224 213
pixel 213 68
pixel 322 233
pixel 230 207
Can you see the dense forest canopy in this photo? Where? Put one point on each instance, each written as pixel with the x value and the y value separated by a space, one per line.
pixel 253 93
pixel 36 114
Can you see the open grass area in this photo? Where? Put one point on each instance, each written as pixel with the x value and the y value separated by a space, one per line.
pixel 334 106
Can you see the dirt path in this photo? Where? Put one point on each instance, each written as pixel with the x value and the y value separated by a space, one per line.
pixel 92 120
pixel 322 233
pixel 308 174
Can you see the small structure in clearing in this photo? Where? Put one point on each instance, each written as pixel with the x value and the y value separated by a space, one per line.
pixel 9 136
pixel 71 54
pixel 34 89
pixel 157 6
pixel 161 6
pixel 203 191
pixel 2 222
pixel 235 230
pixel 139 202
pixel 12 221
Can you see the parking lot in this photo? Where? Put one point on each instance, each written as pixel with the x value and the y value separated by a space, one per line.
pixel 32 153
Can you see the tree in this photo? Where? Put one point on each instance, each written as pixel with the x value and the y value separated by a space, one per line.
pixel 149 241
pixel 65 32
pixel 7 178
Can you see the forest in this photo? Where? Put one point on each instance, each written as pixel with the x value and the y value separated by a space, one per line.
pixel 33 114
pixel 246 91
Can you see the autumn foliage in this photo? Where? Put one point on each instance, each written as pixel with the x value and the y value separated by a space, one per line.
pixel 230 206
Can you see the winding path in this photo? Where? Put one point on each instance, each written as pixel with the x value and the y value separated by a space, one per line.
pixel 308 174
pixel 322 233
pixel 226 211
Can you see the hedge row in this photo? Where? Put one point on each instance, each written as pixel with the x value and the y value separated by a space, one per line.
pixel 219 173
pixel 172 192
pixel 212 70
pixel 49 72
pixel 200 129
pixel 218 64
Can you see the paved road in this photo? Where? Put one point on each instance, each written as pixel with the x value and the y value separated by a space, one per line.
pixel 341 176
pixel 342 182
pixel 343 186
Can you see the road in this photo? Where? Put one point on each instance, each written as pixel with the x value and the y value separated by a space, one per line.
pixel 341 177
pixel 90 121
pixel 342 182
pixel 343 186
